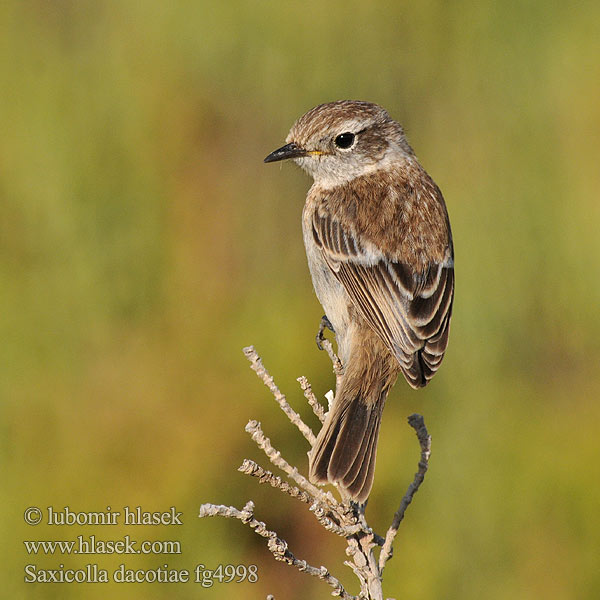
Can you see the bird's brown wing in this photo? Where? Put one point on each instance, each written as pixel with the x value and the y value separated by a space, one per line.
pixel 409 309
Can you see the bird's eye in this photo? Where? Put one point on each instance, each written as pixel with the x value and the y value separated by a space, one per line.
pixel 344 140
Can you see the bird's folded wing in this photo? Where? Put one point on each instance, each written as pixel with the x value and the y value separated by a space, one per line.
pixel 409 309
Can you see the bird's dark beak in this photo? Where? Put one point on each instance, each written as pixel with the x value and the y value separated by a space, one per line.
pixel 287 151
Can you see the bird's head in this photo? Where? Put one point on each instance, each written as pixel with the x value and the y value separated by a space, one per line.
pixel 339 141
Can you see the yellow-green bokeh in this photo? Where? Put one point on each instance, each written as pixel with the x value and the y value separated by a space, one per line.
pixel 143 243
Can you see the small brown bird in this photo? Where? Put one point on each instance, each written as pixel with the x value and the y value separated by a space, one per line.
pixel 379 249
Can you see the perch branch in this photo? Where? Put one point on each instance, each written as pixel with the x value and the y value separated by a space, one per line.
pixel 338 368
pixel 344 518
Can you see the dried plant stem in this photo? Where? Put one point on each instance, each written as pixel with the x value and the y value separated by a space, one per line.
pixel 276 545
pixel 338 368
pixel 418 424
pixel 293 416
pixel 311 398
pixel 249 467
pixel 264 443
pixel 343 518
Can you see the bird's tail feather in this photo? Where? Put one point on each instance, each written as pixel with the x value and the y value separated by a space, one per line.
pixel 346 446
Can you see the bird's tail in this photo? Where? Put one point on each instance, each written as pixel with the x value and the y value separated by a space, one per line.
pixel 345 449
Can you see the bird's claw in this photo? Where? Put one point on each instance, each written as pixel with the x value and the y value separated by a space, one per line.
pixel 324 324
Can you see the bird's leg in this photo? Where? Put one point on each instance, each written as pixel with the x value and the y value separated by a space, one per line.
pixel 324 324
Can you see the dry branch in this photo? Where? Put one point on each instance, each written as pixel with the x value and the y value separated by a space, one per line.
pixel 344 518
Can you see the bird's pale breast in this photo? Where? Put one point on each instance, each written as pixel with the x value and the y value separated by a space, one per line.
pixel 329 290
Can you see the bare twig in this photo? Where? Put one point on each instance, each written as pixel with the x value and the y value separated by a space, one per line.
pixel 338 368
pixel 345 518
pixel 278 547
pixel 311 398
pixel 418 424
pixel 249 467
pixel 321 511
pixel 267 379
pixel 264 443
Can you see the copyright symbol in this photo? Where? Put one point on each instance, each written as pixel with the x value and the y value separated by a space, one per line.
pixel 33 515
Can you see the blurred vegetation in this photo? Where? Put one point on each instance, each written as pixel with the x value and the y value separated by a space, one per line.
pixel 143 243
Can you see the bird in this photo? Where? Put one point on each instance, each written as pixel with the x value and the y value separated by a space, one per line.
pixel 379 248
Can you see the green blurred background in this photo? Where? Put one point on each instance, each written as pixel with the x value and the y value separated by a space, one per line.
pixel 143 244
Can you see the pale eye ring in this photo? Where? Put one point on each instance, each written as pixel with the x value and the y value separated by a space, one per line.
pixel 345 140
